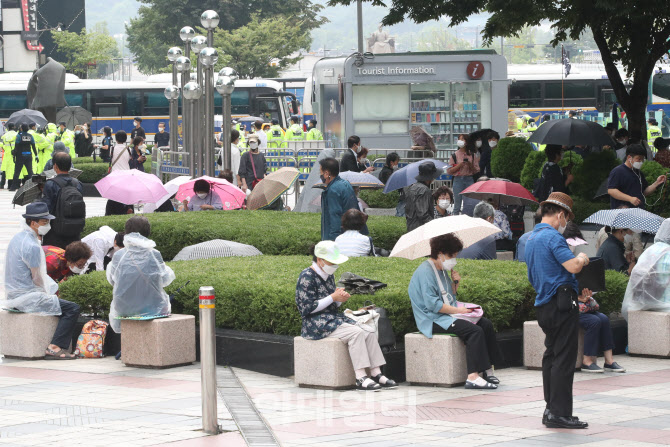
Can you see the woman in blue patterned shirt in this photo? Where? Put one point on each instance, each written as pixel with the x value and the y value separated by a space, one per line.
pixel 318 302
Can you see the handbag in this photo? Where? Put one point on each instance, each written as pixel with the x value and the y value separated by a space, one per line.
pixel 566 298
pixel 385 334
pixel 473 317
pixel 253 167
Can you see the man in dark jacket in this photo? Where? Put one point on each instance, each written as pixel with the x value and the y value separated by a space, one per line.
pixel 349 161
pixel 138 130
pixel 23 155
pixel 419 207
pixel 338 198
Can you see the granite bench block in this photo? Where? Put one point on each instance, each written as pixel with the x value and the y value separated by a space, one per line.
pixel 322 364
pixel 24 335
pixel 649 333
pixel 533 346
pixel 439 361
pixel 160 343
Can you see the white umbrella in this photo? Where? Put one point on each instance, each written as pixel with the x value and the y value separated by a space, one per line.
pixel 171 187
pixel 416 243
pixel 216 248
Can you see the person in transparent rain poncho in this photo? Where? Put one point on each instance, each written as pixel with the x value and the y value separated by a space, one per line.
pixel 28 287
pixel 649 284
pixel 138 274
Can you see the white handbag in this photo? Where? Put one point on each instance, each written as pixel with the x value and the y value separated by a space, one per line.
pixel 368 320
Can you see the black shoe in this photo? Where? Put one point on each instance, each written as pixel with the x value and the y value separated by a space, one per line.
pixel 564 422
pixel 369 387
pixel 491 379
pixel 545 416
pixel 389 385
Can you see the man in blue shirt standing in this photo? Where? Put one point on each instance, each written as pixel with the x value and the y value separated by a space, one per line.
pixel 551 265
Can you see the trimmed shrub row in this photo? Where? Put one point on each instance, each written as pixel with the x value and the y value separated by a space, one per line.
pixel 377 198
pixel 94 171
pixel 272 232
pixel 258 293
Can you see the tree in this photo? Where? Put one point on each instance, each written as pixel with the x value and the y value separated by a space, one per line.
pixel 156 28
pixel 626 32
pixel 89 47
pixel 440 38
pixel 261 48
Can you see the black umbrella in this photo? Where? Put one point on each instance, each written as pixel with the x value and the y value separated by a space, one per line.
pixel 74 116
pixel 31 190
pixel 27 116
pixel 571 132
pixel 602 190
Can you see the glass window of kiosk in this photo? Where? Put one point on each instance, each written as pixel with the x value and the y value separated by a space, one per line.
pixel 470 108
pixel 381 109
pixel 430 107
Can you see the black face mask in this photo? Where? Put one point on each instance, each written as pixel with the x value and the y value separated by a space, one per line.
pixel 323 179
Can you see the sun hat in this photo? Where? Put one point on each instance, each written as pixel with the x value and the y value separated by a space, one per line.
pixel 327 250
pixel 562 200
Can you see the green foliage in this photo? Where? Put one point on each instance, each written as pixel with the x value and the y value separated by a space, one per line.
pixel 590 174
pixel 584 208
pixel 532 169
pixel 570 158
pixel 88 47
pixel 84 160
pixel 508 159
pixel 440 38
pixel 377 199
pixel 258 293
pixel 272 232
pixel 658 201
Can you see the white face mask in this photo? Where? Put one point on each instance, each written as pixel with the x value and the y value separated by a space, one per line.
pixel 478 143
pixel 561 228
pixel 493 143
pixel 444 204
pixel 637 165
pixel 135 123
pixel 448 264
pixel 76 269
pixel 329 269
pixel 161 129
pixel 628 238
pixel 44 229
pixel 622 141
pixel 253 145
pixel 460 143
pixel 202 195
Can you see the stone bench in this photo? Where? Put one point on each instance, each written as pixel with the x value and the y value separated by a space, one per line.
pixel 323 364
pixel 439 361
pixel 649 333
pixel 25 336
pixel 533 346
pixel 160 343
pixel 505 256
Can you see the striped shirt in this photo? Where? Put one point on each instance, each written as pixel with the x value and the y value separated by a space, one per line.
pixel 352 243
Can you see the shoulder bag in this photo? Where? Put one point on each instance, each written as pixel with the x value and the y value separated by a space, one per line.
pixel 253 167
pixel 111 164
pixel 473 317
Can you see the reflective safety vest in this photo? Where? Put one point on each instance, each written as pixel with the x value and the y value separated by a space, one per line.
pixel 275 137
pixel 294 133
pixel 314 134
pixel 238 127
pixel 653 132
pixel 67 137
pixel 8 142
pixel 44 149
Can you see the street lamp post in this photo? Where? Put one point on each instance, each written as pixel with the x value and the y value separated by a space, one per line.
pixel 208 58
pixel 172 55
pixel 209 20
pixel 192 92
pixel 183 65
pixel 225 85
pixel 186 34
pixel 172 94
pixel 197 44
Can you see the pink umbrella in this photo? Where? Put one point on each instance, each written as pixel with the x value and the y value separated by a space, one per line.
pixel 231 196
pixel 131 187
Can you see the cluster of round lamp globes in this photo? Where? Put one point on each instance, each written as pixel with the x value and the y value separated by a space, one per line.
pixel 207 56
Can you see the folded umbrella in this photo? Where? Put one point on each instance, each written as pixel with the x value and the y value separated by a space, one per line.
pixel 502 192
pixel 571 132
pixel 172 187
pixel 216 248
pixel 74 116
pixel 406 176
pixel 416 243
pixel 131 187
pixel 27 116
pixel 30 190
pixel 271 187
pixel 635 219
pixel 355 284
pixel 362 180
pixel 74 173
pixel 231 196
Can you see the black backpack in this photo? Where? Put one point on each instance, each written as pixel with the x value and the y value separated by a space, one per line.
pixel 540 186
pixel 70 210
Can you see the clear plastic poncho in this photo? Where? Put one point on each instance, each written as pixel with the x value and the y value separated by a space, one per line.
pixel 28 288
pixel 138 275
pixel 649 284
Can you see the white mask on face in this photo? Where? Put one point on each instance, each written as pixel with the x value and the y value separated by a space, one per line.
pixel 135 123
pixel 44 229
pixel 622 142
pixel 637 165
pixel 444 203
pixel 628 238
pixel 329 269
pixel 161 129
pixel 202 195
pixel 76 269
pixel 460 143
pixel 478 143
pixel 448 264
pixel 561 228
pixel 253 145
pixel 493 143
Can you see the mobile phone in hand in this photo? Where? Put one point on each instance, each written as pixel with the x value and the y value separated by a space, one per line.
pixel 473 307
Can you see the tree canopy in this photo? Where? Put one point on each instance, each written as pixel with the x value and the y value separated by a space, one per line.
pixel 627 32
pixel 81 50
pixel 156 28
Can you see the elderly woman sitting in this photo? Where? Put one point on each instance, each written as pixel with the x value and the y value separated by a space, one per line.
pixel 318 302
pixel 205 198
pixel 443 197
pixel 433 296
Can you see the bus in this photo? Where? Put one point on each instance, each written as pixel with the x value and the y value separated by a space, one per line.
pixel 116 104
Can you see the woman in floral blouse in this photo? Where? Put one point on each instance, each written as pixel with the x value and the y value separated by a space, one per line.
pixel 318 302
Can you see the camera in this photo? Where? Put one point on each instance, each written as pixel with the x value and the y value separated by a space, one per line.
pixel 39 179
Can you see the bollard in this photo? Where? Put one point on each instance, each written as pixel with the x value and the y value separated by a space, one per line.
pixel 210 422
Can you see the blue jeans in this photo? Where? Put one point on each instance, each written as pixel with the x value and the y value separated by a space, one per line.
pixel 598 333
pixel 400 209
pixel 460 183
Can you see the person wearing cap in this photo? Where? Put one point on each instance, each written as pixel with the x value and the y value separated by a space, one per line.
pixel 336 199
pixel 43 148
pixel 653 132
pixel 551 271
pixel 28 287
pixel 319 300
pixel 252 165
pixel 419 198
pixel 662 146
pixel 275 135
pixel 313 133
pixel 626 183
pixel 67 137
pixel 138 130
pixel 294 132
pixel 262 137
pixel 59 147
pixel 24 148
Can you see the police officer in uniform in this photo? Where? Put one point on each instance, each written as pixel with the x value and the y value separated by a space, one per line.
pixel 275 135
pixel 67 137
pixel 294 133
pixel 43 147
pixel 313 134
pixel 22 147
pixel 653 132
pixel 7 168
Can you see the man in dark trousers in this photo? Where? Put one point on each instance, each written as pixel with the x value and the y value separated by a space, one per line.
pixel 23 155
pixel 138 130
pixel 551 271
pixel 162 138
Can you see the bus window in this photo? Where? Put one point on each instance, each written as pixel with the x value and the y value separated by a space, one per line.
pixel 10 103
pixel 75 99
pixel 240 102
pixel 570 89
pixel 268 108
pixel 133 106
pixel 155 103
pixel 525 94
pixel 661 85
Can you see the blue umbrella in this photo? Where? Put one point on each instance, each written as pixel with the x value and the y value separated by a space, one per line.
pixel 406 176
pixel 634 218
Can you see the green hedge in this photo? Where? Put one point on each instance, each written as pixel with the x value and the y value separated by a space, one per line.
pixel 509 157
pixel 377 199
pixel 272 232
pixel 584 208
pixel 258 293
pixel 592 172
pixel 532 169
pixel 657 202
pixel 94 171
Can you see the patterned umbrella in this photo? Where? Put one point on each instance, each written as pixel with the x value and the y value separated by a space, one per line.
pixel 503 192
pixel 362 180
pixel 271 187
pixel 216 248
pixel 416 243
pixel 633 218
